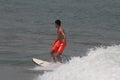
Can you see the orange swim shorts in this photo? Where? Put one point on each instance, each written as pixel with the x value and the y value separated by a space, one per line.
pixel 59 47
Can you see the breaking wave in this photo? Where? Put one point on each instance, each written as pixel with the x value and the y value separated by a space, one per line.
pixel 102 63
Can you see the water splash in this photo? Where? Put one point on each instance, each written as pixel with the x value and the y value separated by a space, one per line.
pixel 102 63
pixel 50 67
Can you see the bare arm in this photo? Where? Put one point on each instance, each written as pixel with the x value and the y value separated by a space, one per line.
pixel 56 40
pixel 63 33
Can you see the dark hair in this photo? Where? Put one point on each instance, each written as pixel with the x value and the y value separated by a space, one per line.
pixel 58 22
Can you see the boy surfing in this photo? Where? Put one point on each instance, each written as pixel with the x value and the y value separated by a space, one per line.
pixel 59 44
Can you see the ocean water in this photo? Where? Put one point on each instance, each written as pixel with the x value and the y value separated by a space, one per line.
pixel 101 64
pixel 27 30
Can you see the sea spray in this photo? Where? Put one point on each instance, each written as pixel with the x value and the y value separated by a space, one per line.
pixel 102 63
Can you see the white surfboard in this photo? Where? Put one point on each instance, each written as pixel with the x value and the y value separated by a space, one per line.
pixel 41 62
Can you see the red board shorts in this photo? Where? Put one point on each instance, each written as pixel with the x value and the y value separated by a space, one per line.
pixel 59 47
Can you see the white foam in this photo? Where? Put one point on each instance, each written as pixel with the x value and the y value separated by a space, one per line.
pixel 100 64
pixel 51 66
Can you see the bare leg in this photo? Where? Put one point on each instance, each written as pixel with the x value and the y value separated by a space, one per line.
pixel 52 56
pixel 59 58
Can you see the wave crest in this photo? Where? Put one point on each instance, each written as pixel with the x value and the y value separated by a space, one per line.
pixel 102 63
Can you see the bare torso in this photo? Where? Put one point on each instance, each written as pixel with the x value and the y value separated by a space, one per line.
pixel 61 35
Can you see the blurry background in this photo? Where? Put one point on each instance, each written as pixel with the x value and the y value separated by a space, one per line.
pixel 27 30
